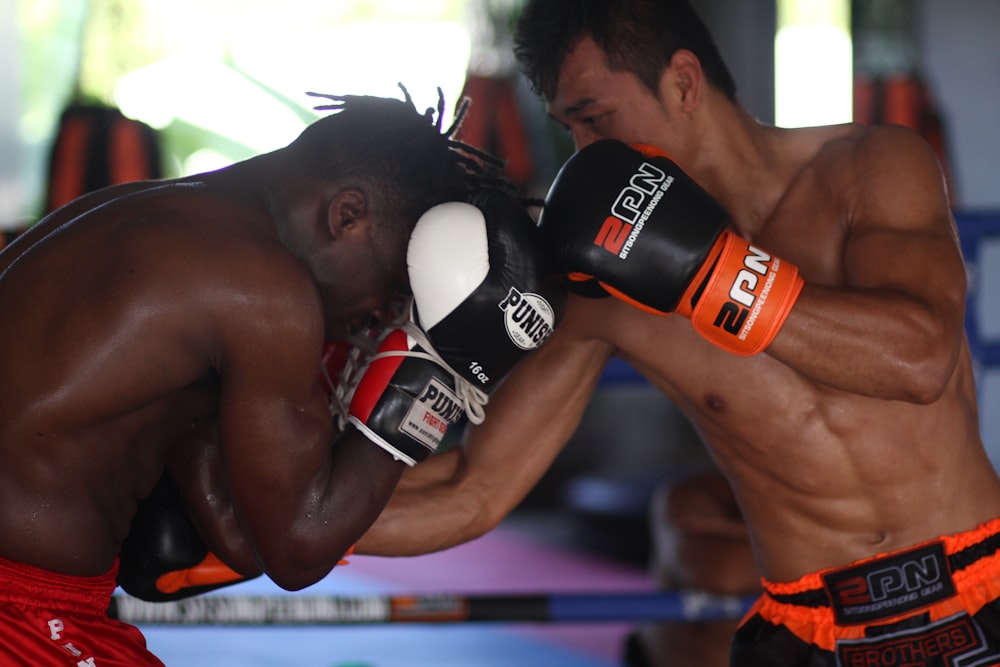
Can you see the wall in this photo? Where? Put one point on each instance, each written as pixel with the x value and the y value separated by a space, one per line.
pixel 744 34
pixel 961 58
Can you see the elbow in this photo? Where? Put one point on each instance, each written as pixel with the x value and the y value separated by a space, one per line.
pixel 291 577
pixel 482 509
pixel 925 393
pixel 301 565
pixel 486 519
pixel 290 584
pixel 927 371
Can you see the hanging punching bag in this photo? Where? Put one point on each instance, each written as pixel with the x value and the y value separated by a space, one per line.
pixel 97 146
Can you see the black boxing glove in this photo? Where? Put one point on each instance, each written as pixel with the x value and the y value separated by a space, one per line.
pixel 627 221
pixel 486 292
pixel 486 289
pixel 163 557
pixel 405 400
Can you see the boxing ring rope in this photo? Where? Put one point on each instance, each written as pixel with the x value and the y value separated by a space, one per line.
pixel 305 610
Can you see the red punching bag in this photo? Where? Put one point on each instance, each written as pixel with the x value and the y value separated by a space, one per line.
pixel 97 146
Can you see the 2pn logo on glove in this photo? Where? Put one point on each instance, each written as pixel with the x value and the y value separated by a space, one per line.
pixel 631 208
pixel 745 296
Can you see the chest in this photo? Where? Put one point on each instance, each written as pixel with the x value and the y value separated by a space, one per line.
pixel 809 226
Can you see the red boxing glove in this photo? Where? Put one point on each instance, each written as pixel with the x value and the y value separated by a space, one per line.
pixel 405 400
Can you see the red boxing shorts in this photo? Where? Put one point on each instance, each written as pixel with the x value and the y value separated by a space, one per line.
pixel 50 619
pixel 937 603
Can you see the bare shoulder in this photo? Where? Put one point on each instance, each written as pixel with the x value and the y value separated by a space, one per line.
pixel 893 151
pixel 892 176
pixel 209 253
pixel 869 178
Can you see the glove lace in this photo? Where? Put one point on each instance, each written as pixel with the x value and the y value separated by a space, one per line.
pixel 364 350
pixel 364 345
pixel 473 398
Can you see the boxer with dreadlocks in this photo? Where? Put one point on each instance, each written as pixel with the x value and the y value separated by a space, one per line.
pixel 175 328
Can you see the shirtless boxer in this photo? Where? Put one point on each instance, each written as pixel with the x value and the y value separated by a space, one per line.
pixel 847 426
pixel 183 321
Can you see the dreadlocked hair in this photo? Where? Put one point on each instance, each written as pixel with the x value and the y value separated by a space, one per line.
pixel 399 154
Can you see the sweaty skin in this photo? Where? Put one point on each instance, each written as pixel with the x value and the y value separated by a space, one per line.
pixel 172 317
pixel 854 433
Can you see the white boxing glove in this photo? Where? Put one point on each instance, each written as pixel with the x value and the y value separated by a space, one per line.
pixel 486 289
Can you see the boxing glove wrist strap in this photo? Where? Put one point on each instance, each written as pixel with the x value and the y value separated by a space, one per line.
pixel 742 297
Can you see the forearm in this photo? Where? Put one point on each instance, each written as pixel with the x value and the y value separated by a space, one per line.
pixel 426 517
pixel 335 511
pixel 875 343
pixel 470 489
pixel 195 467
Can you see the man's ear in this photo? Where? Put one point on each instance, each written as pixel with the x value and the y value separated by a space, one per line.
pixel 347 210
pixel 683 80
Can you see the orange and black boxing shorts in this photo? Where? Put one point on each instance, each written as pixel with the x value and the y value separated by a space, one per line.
pixel 934 604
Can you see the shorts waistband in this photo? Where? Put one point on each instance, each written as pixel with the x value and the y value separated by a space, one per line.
pixel 960 551
pixel 30 586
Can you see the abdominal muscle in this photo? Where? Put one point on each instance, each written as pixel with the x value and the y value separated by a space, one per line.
pixel 825 478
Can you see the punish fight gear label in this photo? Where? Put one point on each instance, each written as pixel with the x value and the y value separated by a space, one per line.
pixel 890 586
pixel 528 317
pixel 430 414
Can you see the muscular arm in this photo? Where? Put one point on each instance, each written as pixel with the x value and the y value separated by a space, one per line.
pixel 300 497
pixel 894 328
pixel 461 494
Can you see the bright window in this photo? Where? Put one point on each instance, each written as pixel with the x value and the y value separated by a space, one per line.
pixel 813 75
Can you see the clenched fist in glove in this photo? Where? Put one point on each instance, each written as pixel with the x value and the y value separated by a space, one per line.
pixel 486 292
pixel 627 221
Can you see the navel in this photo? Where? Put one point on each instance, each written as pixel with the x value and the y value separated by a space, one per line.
pixel 878 537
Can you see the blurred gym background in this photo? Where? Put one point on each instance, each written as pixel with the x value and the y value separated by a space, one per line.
pixel 99 91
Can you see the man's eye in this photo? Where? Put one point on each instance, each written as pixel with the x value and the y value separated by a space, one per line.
pixel 596 118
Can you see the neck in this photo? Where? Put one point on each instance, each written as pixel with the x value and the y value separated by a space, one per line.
pixel 743 164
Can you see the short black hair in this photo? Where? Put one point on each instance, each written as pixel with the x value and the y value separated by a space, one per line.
pixel 638 36
pixel 403 156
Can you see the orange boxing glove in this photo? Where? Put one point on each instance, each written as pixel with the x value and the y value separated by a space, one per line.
pixel 741 296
